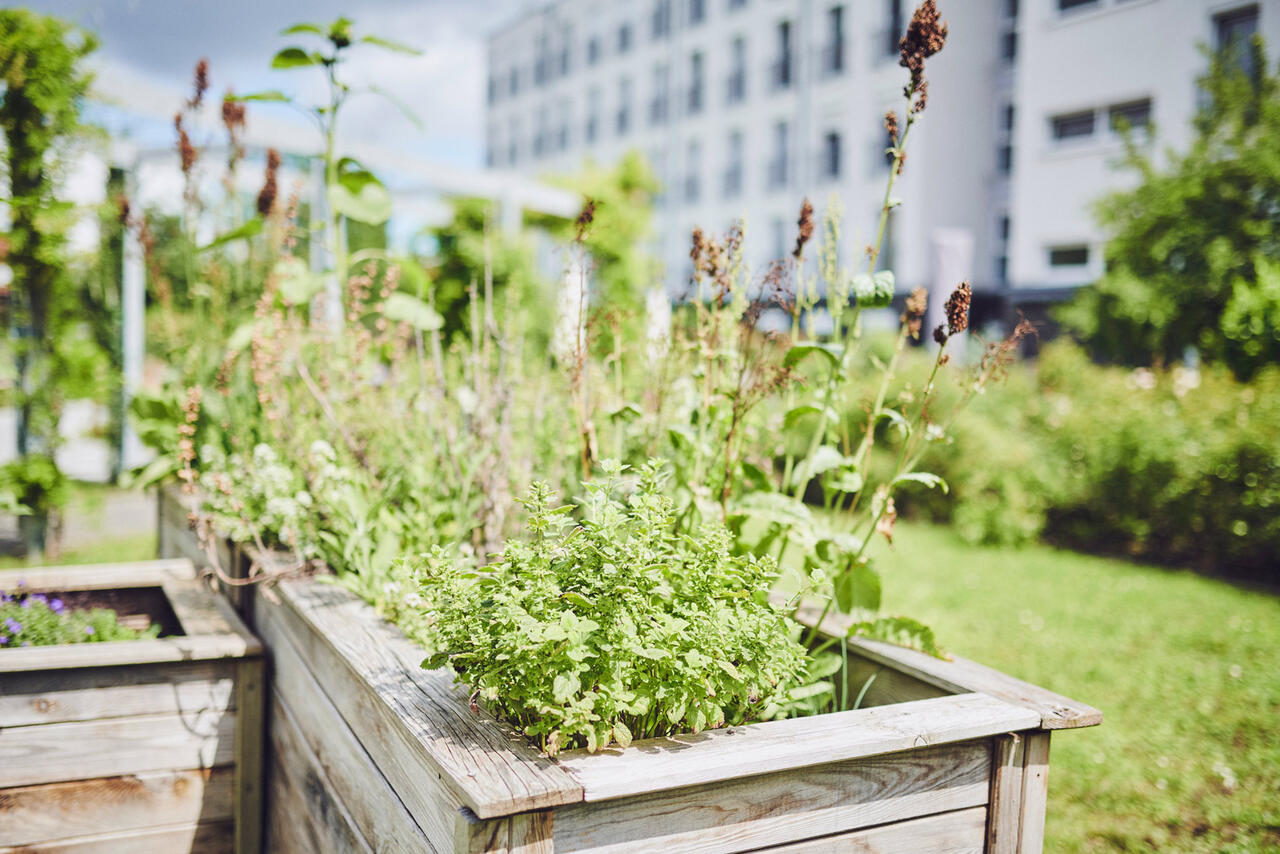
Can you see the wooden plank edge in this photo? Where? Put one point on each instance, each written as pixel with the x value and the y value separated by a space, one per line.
pixel 97 576
pixel 794 743
pixel 116 653
pixel 962 675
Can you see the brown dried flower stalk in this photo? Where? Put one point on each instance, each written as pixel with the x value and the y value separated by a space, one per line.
pixel 584 220
pixel 805 227
pixel 267 196
pixel 913 316
pixel 891 126
pixel 186 151
pixel 201 84
pixel 925 36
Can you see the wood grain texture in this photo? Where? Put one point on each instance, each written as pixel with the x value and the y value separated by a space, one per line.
pixel 205 838
pixel 116 653
pixel 304 815
pixel 1004 808
pixel 772 809
pixel 490 767
pixel 97 576
pixel 1035 793
pixel 117 746
pixel 250 737
pixel 724 754
pixel 352 776
pixel 960 674
pixel 32 814
pixel 523 833
pixel 959 832
pixel 47 697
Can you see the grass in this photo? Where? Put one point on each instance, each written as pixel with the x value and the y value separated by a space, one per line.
pixel 1185 669
pixel 110 550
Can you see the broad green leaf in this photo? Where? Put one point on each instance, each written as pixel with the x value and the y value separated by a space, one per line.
pixel 727 667
pixel 403 308
pixel 858 587
pixel 314 29
pixel 928 479
pixel 838 548
pixel 391 45
pixel 297 284
pixel 266 95
pixel 826 458
pixel 242 336
pixel 804 410
pixel 294 57
pixel 874 291
pixel 621 734
pixel 799 352
pixel 844 479
pixel 625 412
pixel 252 228
pixel 895 418
pixel 813 689
pixel 358 194
pixel 565 686
pixel 900 630
pixel 577 599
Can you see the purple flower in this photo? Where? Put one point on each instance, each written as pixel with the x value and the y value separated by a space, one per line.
pixel 89 630
pixel 26 603
pixel 41 598
pixel 26 643
pixel 57 606
pixel 13 625
pixel 4 639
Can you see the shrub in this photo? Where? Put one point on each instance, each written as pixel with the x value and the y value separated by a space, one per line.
pixel 34 619
pixel 615 628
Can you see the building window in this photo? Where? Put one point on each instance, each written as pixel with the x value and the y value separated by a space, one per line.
pixel 831 155
pixel 1011 9
pixel 777 176
pixel 1233 34
pixel 1134 115
pixel 1006 118
pixel 593 116
pixel 782 67
pixel 658 106
pixel 1065 5
pixel 513 81
pixel 697 12
pixel 624 38
pixel 894 30
pixel 833 53
pixel 1073 125
pixel 737 89
pixel 1004 159
pixel 541 62
pixel 735 5
pixel 1006 227
pixel 1002 269
pixel 593 50
pixel 661 19
pixel 493 90
pixel 1009 45
pixel 1068 256
pixel 692 171
pixel 733 171
pixel 695 84
pixel 623 122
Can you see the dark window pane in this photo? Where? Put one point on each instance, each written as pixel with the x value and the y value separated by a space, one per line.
pixel 1073 125
pixel 1004 159
pixel 1135 114
pixel 1068 256
pixel 1075 4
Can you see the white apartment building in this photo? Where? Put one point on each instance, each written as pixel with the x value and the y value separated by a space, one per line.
pixel 744 107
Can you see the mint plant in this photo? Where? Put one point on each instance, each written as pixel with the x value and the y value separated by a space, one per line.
pixel 615 628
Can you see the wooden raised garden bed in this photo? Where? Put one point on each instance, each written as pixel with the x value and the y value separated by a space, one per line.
pixel 133 746
pixel 368 752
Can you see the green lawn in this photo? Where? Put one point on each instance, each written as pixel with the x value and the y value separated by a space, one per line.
pixel 112 550
pixel 1185 669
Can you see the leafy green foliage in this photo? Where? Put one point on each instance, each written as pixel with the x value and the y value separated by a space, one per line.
pixel 616 628
pixel 1194 255
pixel 37 619
pixel 33 484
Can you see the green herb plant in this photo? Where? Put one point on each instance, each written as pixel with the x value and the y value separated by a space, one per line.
pixel 614 628
pixel 37 619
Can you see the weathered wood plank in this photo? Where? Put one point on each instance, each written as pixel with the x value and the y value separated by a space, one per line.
pixel 97 576
pixel 772 809
pixel 204 838
pixel 960 675
pixel 302 801
pixel 1035 793
pixel 34 814
pixel 523 833
pixel 354 778
pixel 47 697
pixel 250 735
pixel 118 746
pixel 116 653
pixel 1004 808
pixel 723 754
pixel 959 832
pixel 887 685
pixel 490 767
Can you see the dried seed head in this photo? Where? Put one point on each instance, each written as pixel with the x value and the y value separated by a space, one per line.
pixel 585 218
pixel 913 316
pixel 267 195
pixel 891 125
pixel 696 250
pixel 123 210
pixel 201 84
pixel 958 309
pixel 940 334
pixel 925 36
pixel 232 114
pixel 804 227
pixel 186 151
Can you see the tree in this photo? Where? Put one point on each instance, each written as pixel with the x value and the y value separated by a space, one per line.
pixel 44 83
pixel 1194 256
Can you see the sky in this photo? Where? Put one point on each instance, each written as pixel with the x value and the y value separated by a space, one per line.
pixel 158 42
